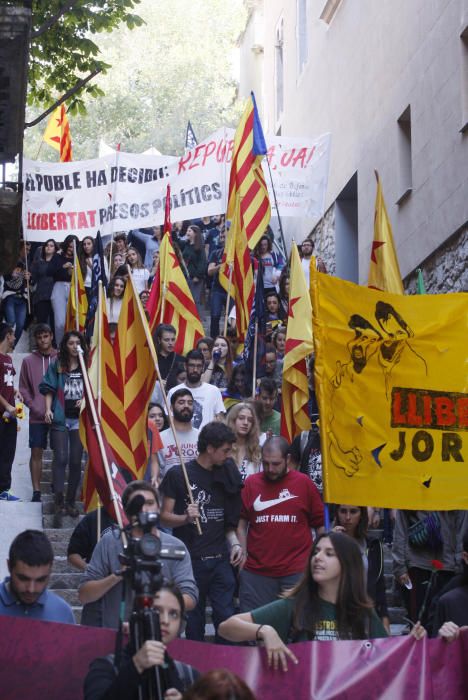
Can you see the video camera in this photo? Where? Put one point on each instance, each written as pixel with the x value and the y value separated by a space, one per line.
pixel 142 556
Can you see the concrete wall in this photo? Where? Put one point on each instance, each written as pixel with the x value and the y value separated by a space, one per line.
pixel 373 61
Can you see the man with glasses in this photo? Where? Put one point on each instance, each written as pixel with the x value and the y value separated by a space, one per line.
pixel 207 400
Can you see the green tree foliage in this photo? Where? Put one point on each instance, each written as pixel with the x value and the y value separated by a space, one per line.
pixel 64 46
pixel 177 66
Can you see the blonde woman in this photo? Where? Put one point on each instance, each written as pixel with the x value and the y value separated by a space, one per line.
pixel 246 450
pixel 139 272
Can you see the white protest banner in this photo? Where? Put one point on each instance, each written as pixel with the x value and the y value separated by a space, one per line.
pixel 299 169
pixel 123 191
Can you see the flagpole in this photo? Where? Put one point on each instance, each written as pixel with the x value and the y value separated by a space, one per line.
pixel 117 154
pixel 97 428
pixel 277 211
pixel 254 373
pixel 28 291
pixel 77 296
pixel 226 310
pixel 99 390
pixel 154 357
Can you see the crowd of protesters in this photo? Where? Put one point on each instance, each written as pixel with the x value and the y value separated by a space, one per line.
pixel 254 525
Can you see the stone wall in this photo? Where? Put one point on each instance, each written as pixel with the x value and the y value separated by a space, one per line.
pixel 323 236
pixel 446 270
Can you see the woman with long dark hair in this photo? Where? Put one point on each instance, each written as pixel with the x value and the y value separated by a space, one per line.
pixel 115 294
pixel 193 251
pixel 219 369
pixel 44 283
pixel 63 389
pixel 106 680
pixel 328 603
pixel 354 521
pixel 85 254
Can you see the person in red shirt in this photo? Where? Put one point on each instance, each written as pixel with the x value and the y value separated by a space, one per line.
pixel 8 396
pixel 279 508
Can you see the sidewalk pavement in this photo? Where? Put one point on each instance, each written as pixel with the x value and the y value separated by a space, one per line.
pixel 19 515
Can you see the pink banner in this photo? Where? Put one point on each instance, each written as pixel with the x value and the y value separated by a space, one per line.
pixel 44 659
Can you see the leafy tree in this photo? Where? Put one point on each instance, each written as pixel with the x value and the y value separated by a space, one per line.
pixel 177 66
pixel 64 51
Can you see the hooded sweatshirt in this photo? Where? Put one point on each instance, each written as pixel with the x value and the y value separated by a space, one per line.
pixel 32 373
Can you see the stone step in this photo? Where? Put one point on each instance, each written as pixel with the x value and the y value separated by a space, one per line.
pixel 59 540
pixel 48 506
pixel 77 613
pixel 64 580
pixel 61 565
pixel 67 521
pixel 69 595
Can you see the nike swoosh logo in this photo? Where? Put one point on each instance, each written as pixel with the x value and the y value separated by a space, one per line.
pixel 260 505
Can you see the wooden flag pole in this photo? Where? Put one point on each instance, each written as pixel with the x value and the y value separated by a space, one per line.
pixel 97 428
pixel 226 311
pixel 254 373
pixel 26 265
pixel 77 297
pixel 154 357
pixel 99 389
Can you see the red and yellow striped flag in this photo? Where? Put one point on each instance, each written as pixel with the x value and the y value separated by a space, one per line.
pixel 384 270
pixel 238 265
pixel 248 192
pixel 77 304
pixel 299 344
pixel 170 299
pixel 57 134
pixel 136 369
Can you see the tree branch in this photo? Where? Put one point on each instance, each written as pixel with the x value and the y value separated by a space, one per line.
pixel 65 96
pixel 52 20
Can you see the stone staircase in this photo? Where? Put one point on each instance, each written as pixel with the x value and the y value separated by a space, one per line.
pixel 65 579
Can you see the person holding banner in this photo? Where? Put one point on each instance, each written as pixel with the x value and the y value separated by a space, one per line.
pixel 61 268
pixel 85 258
pixel 193 251
pixel 329 603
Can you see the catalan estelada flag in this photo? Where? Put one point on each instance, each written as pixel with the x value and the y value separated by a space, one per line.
pixel 57 134
pixel 170 299
pixel 384 271
pixel 136 368
pixel 391 381
pixel 77 304
pixel 299 344
pixel 248 193
pixel 236 275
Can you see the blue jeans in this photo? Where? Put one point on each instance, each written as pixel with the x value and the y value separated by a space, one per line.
pixel 15 309
pixel 214 578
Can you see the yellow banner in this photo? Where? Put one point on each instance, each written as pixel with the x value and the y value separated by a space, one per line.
pixel 391 376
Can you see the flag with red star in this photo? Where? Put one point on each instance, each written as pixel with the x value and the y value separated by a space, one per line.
pixel 299 344
pixel 57 134
pixel 384 271
pixel 170 298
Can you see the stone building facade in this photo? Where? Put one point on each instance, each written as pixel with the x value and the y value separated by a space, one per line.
pixel 389 80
